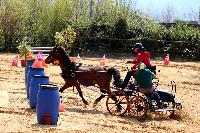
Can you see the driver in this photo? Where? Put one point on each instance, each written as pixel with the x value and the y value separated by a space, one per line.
pixel 142 56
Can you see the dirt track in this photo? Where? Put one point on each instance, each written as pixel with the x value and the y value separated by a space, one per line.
pixel 16 116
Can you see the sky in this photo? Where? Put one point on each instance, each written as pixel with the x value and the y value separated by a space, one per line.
pixel 178 9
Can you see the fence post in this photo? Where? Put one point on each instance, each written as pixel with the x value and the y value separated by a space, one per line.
pixel 156 49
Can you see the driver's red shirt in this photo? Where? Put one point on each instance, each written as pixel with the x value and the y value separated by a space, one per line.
pixel 141 57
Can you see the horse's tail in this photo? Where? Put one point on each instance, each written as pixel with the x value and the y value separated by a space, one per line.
pixel 116 75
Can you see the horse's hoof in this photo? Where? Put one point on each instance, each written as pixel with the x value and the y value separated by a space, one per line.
pixel 60 91
pixel 94 105
pixel 85 106
pixel 86 103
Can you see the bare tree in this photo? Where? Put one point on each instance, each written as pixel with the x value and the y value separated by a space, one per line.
pixel 199 14
pixel 91 7
pixel 169 14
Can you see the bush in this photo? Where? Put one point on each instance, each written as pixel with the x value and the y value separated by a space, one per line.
pixel 66 38
pixel 181 32
pixel 24 47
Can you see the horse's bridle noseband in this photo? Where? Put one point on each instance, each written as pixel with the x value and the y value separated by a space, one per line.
pixel 51 57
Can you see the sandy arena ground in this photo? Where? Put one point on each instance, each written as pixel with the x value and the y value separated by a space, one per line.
pixel 15 115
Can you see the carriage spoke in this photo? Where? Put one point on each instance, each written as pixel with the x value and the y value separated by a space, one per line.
pixel 121 103
pixel 113 107
pixel 123 107
pixel 137 106
pixel 122 99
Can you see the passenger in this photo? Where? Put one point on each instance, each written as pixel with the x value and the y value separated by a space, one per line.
pixel 143 77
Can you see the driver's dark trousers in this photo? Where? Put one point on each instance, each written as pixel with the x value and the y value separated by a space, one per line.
pixel 127 78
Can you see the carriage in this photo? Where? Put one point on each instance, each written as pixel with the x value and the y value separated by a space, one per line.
pixel 130 101
pixel 119 102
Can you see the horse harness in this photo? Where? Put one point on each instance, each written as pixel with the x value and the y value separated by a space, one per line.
pixel 69 73
pixel 72 73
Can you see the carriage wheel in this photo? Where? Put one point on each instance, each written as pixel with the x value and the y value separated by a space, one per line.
pixel 137 106
pixel 117 103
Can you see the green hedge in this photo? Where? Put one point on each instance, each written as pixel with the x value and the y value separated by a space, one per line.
pixel 40 20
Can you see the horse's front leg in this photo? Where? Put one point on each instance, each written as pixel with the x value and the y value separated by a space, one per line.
pixel 99 98
pixel 66 85
pixel 63 88
pixel 104 89
pixel 77 85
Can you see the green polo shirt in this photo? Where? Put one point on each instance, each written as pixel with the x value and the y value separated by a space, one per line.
pixel 144 78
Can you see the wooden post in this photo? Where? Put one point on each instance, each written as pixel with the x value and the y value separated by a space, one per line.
pixel 25 54
pixel 156 49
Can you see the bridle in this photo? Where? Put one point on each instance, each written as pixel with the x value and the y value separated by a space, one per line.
pixel 52 55
pixel 65 67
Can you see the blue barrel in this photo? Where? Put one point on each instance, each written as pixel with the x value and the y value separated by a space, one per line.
pixel 48 104
pixel 31 72
pixel 29 63
pixel 34 87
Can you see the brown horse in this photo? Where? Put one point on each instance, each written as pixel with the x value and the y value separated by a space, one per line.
pixel 76 75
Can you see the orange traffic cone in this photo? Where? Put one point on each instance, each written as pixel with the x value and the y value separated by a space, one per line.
pixel 40 56
pixel 44 64
pixel 37 64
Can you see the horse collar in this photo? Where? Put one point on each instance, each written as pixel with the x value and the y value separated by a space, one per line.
pixel 68 73
pixel 68 68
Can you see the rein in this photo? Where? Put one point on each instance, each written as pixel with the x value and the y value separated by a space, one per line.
pixel 68 71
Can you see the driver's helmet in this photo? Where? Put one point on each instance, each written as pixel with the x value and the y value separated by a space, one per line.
pixel 140 46
pixel 141 66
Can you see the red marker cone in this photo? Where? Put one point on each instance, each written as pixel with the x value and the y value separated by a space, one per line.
pixel 16 61
pixel 78 58
pixel 103 61
pixel 166 60
pixel 61 106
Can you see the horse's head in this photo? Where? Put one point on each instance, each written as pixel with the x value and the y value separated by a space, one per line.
pixel 56 54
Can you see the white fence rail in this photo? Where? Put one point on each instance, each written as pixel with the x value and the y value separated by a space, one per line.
pixel 44 50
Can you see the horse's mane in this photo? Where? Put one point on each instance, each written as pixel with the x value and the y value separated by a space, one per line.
pixel 65 56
